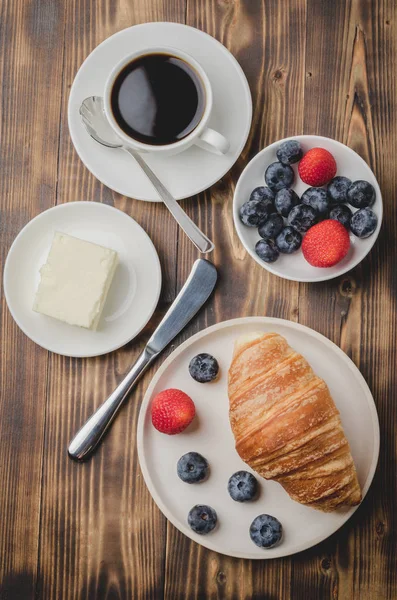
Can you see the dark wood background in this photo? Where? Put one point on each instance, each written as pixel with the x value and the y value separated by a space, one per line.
pixel 91 531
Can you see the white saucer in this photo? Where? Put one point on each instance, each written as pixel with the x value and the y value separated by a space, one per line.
pixel 192 171
pixel 294 266
pixel 133 295
pixel 210 434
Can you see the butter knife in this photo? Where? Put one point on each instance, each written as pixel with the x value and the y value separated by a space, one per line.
pixel 190 299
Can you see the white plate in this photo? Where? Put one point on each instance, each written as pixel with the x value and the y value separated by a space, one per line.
pixel 210 434
pixel 194 170
pixel 133 295
pixel 294 266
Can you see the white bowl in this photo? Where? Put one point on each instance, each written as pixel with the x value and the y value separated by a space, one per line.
pixel 294 266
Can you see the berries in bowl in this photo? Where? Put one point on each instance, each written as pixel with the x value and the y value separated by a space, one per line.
pixel 330 182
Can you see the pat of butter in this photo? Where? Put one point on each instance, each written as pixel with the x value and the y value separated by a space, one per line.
pixel 75 281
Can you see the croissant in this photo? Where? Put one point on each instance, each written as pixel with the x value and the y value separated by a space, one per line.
pixel 286 425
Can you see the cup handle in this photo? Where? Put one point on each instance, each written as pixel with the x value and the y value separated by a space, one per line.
pixel 212 141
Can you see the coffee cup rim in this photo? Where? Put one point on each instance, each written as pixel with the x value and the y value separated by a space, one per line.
pixel 170 50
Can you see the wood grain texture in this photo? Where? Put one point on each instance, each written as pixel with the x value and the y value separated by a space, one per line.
pixel 360 306
pixel 92 531
pixel 28 158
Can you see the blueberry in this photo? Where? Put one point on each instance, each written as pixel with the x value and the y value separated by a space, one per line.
pixel 318 199
pixel 363 223
pixel 267 251
pixel 253 212
pixel 361 194
pixel 278 176
pixel 192 467
pixel 337 189
pixel 262 193
pixel 202 519
pixel 288 240
pixel 302 217
pixel 203 368
pixel 271 227
pixel 266 531
pixel 242 486
pixel 341 213
pixel 289 152
pixel 285 200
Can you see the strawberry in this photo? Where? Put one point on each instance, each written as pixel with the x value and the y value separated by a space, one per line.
pixel 172 411
pixel 317 167
pixel 326 243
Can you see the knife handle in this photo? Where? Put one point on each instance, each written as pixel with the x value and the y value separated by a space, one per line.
pixel 88 437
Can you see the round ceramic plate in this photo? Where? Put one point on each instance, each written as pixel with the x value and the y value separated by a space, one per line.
pixel 294 266
pixel 211 435
pixel 133 295
pixel 184 174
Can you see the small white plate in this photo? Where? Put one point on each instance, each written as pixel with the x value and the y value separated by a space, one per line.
pixel 184 174
pixel 294 266
pixel 211 435
pixel 133 295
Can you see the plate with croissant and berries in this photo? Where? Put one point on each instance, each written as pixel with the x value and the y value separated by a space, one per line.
pixel 258 438
pixel 307 208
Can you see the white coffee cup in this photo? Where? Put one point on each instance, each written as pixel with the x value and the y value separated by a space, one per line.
pixel 202 135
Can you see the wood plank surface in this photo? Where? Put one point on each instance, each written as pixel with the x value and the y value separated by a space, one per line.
pixel 29 136
pixel 92 531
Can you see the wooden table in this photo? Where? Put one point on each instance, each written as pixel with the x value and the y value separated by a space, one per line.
pixel 92 531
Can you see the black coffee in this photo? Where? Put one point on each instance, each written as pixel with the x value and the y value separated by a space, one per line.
pixel 158 99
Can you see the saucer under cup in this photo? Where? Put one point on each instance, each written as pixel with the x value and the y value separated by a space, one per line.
pixel 188 172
